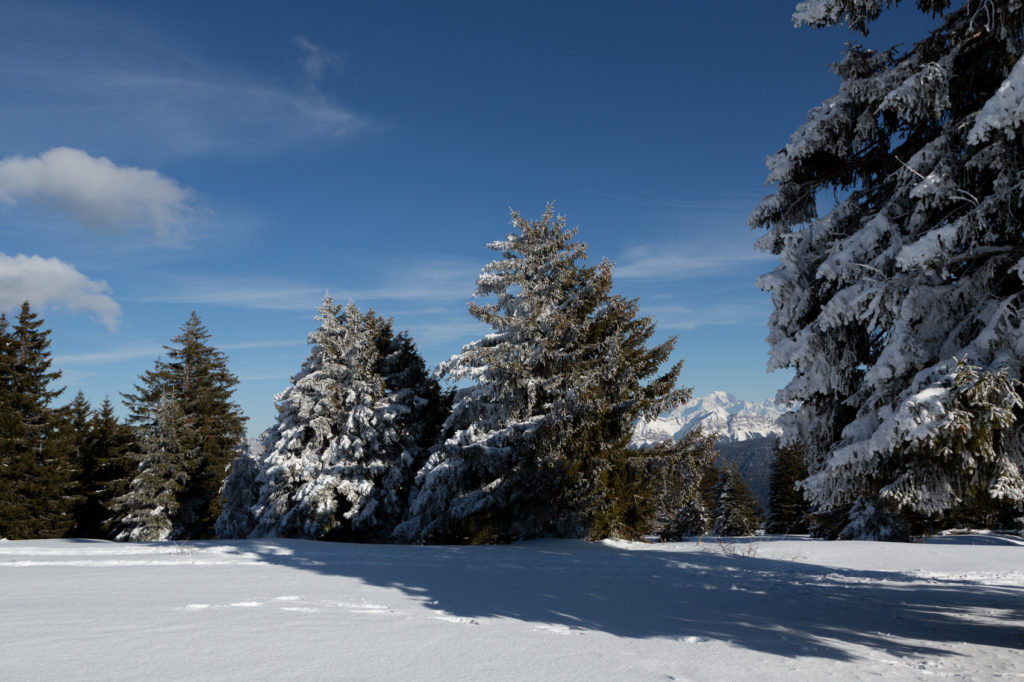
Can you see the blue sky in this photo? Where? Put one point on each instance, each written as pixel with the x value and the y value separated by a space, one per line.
pixel 239 159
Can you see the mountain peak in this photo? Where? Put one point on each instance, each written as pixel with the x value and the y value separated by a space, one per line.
pixel 718 411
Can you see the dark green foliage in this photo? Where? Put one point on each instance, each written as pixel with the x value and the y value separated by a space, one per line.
pixel 195 376
pixel 104 469
pixel 35 485
pixel 73 432
pixel 618 491
pixel 736 509
pixel 625 489
pixel 788 509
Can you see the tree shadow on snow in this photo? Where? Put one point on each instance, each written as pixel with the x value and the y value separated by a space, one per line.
pixel 777 606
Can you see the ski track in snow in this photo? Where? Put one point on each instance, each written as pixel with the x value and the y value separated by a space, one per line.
pixel 550 609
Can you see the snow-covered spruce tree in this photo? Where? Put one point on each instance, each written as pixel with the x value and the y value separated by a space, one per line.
pixel 351 431
pixel 695 514
pixel 196 375
pixel 736 509
pixel 323 453
pixel 416 407
pixel 150 510
pixel 537 443
pixel 787 507
pixel 918 262
pixel 239 494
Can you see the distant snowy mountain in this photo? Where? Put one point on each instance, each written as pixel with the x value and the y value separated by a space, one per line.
pixel 733 419
pixel 747 433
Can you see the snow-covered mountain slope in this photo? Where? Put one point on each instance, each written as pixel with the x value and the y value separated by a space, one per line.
pixel 733 419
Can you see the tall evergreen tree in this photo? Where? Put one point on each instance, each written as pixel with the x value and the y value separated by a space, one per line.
pixel 195 375
pixel 73 432
pixel 35 490
pixel 106 469
pixel 788 509
pixel 917 265
pixel 616 490
pixel 351 432
pixel 537 443
pixel 12 508
pixel 325 452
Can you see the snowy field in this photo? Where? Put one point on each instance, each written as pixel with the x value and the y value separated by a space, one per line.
pixel 767 609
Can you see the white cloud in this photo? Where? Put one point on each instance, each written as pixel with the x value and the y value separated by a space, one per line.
pixel 50 282
pixel 317 58
pixel 95 191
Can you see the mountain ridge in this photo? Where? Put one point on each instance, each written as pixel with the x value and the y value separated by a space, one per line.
pixel 733 419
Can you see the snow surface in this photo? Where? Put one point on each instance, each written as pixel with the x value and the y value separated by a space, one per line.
pixel 780 608
pixel 721 412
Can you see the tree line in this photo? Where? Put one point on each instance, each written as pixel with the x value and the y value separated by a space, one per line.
pixel 76 471
pixel 367 444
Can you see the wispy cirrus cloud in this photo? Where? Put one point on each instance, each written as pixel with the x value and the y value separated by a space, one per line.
pixel 238 292
pixel 245 345
pixel 687 260
pixel 684 318
pixel 153 350
pixel 95 191
pixel 440 282
pixel 146 350
pixel 108 81
pixel 52 283
pixel 316 58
